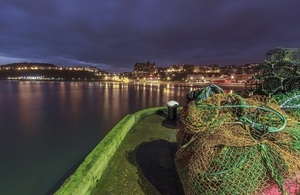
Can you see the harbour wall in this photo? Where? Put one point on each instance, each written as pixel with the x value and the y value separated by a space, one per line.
pixel 85 178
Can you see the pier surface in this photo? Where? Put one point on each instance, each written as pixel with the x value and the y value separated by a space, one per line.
pixel 144 162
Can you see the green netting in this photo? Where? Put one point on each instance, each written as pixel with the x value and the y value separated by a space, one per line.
pixel 231 145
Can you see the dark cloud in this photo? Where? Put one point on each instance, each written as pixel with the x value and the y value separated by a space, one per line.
pixel 113 35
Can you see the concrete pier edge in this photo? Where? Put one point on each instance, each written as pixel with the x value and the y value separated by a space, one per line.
pixel 84 179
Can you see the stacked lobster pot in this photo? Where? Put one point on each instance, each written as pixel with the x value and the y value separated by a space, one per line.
pixel 280 72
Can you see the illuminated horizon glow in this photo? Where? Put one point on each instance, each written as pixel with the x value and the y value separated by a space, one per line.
pixel 58 61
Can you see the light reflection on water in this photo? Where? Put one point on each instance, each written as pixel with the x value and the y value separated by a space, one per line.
pixel 47 127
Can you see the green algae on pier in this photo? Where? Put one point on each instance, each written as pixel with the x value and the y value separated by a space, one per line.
pixel 125 176
pixel 118 165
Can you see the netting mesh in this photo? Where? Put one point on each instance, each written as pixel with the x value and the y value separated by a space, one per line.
pixel 279 73
pixel 231 145
pixel 289 55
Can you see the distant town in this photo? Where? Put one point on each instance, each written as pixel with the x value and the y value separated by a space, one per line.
pixel 142 72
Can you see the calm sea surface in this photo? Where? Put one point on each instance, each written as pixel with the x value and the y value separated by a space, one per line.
pixel 47 128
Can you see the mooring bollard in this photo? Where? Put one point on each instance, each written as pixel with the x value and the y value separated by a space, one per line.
pixel 172 109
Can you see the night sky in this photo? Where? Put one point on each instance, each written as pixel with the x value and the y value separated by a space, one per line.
pixel 115 34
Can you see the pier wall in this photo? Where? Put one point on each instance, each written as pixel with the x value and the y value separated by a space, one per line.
pixel 90 171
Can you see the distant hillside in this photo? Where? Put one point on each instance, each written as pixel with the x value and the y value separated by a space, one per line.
pixel 46 71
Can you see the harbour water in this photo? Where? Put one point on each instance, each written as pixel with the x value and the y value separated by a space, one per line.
pixel 47 128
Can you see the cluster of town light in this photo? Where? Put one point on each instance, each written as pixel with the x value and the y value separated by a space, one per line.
pixel 33 78
pixel 90 69
pixel 172 73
